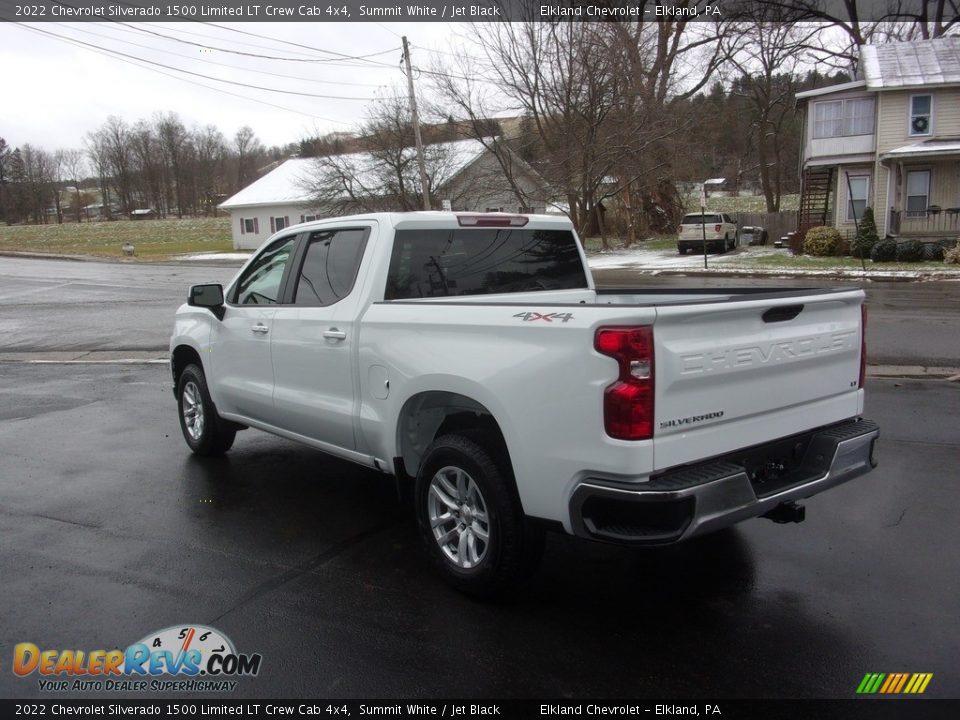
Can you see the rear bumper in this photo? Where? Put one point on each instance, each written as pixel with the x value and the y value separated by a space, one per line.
pixel 692 500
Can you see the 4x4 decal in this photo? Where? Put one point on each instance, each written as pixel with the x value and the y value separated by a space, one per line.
pixel 546 317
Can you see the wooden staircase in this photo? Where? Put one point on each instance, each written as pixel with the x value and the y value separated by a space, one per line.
pixel 815 190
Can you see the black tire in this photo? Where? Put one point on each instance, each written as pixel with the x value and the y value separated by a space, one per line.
pixel 213 435
pixel 513 546
pixel 682 250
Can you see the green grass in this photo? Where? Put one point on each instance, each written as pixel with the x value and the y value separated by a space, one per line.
pixel 152 239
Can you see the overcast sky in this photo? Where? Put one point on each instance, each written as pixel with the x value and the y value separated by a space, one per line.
pixel 55 91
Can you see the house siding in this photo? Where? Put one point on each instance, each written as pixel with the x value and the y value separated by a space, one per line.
pixel 482 185
pixel 893 128
pixel 893 132
pixel 262 213
pixel 883 199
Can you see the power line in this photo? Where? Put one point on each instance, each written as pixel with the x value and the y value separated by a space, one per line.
pixel 75 27
pixel 343 56
pixel 339 61
pixel 399 37
pixel 150 66
pixel 339 56
pixel 114 24
pixel 201 75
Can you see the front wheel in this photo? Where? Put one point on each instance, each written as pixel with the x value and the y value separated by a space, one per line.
pixel 204 430
pixel 470 518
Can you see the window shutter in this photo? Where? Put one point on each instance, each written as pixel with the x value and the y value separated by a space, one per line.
pixel 301 218
pixel 242 228
pixel 273 226
pixel 286 221
pixel 256 226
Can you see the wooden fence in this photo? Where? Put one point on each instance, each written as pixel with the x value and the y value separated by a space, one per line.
pixel 777 224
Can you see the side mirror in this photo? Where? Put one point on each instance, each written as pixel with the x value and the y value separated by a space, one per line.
pixel 207 296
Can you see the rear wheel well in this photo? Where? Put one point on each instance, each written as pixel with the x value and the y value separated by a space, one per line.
pixel 430 415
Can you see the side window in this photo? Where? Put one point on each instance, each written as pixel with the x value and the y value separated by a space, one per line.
pixel 921 107
pixel 330 266
pixel 260 284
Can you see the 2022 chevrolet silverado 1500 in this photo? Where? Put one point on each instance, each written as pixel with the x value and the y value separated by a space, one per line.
pixel 471 357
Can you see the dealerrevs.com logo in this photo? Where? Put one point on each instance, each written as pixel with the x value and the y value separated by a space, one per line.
pixel 181 658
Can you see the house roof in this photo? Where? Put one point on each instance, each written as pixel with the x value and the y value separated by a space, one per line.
pixel 924 149
pixel 831 89
pixel 911 64
pixel 287 183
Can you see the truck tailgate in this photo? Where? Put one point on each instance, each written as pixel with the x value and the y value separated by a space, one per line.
pixel 734 374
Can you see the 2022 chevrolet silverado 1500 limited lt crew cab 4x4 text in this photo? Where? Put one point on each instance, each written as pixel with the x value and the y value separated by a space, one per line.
pixel 471 357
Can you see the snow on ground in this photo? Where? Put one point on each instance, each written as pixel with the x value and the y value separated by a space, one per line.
pixel 657 261
pixel 640 259
pixel 242 256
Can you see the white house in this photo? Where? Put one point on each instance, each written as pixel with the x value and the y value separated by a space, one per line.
pixel 476 183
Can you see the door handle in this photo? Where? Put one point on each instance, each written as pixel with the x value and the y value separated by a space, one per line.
pixel 334 334
pixel 262 329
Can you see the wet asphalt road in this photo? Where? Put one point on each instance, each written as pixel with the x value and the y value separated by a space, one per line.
pixel 111 529
pixel 50 305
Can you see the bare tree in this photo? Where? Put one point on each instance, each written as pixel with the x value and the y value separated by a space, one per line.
pixel 176 150
pixel 149 160
pixel 4 177
pixel 115 136
pixel 38 168
pixel 74 167
pixel 383 175
pixel 211 151
pixel 767 58
pixel 863 22
pixel 593 96
pixel 96 147
pixel 249 150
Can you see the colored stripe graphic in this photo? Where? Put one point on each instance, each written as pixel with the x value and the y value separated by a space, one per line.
pixel 894 683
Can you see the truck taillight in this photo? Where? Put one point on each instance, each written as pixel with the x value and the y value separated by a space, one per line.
pixel 628 403
pixel 863 344
pixel 716 228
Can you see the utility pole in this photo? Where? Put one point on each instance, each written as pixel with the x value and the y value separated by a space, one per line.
pixel 416 127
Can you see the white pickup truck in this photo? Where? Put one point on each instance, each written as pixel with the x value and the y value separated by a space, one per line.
pixel 471 357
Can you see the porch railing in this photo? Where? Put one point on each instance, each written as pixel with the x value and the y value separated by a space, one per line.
pixel 931 222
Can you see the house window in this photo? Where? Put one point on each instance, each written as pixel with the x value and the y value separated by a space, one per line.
pixel 249 225
pixel 279 223
pixel 918 193
pixel 494 209
pixel 828 119
pixel 841 118
pixel 858 116
pixel 526 210
pixel 859 192
pixel 921 114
